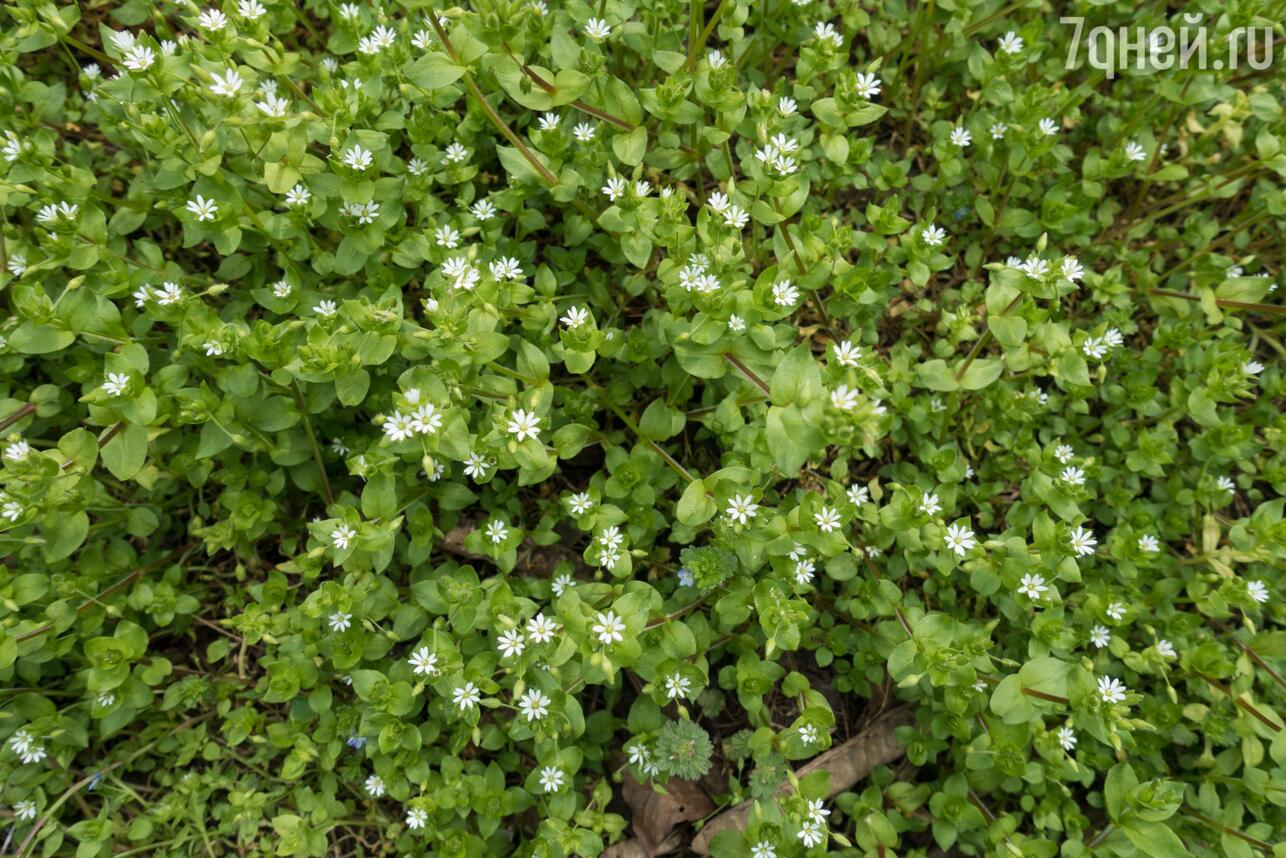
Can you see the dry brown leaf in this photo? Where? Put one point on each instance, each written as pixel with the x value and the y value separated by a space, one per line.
pixel 848 763
pixel 657 815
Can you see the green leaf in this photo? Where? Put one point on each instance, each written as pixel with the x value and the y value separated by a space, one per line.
pixel 434 70
pixel 631 146
pixel 695 506
pixel 125 454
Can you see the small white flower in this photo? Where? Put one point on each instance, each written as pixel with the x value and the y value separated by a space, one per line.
pixel 342 536
pixel 1111 689
pixel 826 32
pixel 446 236
pixel 1032 586
pixel 349 11
pixel 476 466
pixel 677 686
pixel 203 209
pixel 1116 611
pixel 1064 453
pixel 811 834
pixel 614 188
pixel 737 218
pixel 610 628
pixel 763 849
pixel 551 778
pixel 930 504
pixel 868 85
pixel 497 532
pixel 736 324
pixel 9 508
pixel 1165 649
pixel 576 316
pixel 816 812
pixel 1011 43
pixel 844 398
pixel 611 538
pixel 417 166
pixel 784 294
pixel 251 9
pixel 933 235
pixel 1252 367
pixel 426 419
pixel 597 29
pixel 423 662
pixel 827 519
pixel 1067 738
pixel 340 621
pixel 326 309
pixel 213 348
pixel 116 383
pixel 228 85
pixel 273 106
pixel 718 202
pixel 561 583
pixel 1134 152
pixel 741 509
pixel 1073 476
pixel 455 154
pixel 959 539
pixel 212 19
pixel 298 196
pixel 511 644
pixel 1149 544
pixel 416 818
pixel 1071 268
pixel 1048 127
pixel 24 811
pixel 281 289
pixel 1100 636
pixel 139 58
pixel 961 137
pixel 580 503
pixel 17 451
pixel 534 704
pixel 466 696
pixel 375 785
pixel 358 158
pixel 505 268
pixel 1258 591
pixel 549 121
pixel 998 131
pixel 17 262
pixel 483 210
pixel 786 106
pixel 716 59
pixel 363 213
pixel 1082 541
pixel 1035 267
pixel 541 629
pixel 846 354
pixel 523 424
pixel 1226 484
pixel 397 427
pixel 858 494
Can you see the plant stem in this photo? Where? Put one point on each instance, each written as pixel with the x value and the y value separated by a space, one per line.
pixel 312 442
pixel 745 371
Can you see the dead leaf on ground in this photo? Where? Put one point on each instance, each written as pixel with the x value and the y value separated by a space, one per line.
pixel 656 816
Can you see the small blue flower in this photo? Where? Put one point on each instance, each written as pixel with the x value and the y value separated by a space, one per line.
pixel 93 784
pixel 685 578
pixel 356 742
pixel 962 212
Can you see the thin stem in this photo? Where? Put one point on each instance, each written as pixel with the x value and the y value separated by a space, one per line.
pixel 745 371
pixel 694 48
pixel 17 415
pixel 983 340
pixel 1274 309
pixel 1219 826
pixel 312 442
pixel 660 451
pixel 501 125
